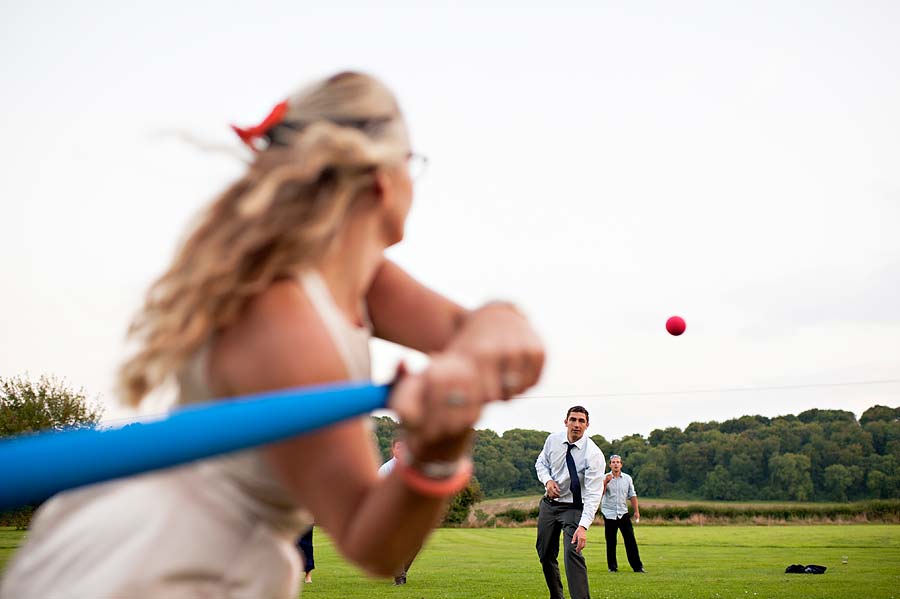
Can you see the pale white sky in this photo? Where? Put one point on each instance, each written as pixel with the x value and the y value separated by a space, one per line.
pixel 604 164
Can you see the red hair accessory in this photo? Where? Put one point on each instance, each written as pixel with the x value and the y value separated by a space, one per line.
pixel 249 135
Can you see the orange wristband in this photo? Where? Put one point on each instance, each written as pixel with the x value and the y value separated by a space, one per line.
pixel 433 487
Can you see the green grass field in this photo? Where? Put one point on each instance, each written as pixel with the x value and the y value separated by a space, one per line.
pixel 709 561
pixel 9 540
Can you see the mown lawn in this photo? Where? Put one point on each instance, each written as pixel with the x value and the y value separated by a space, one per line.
pixel 681 562
pixel 10 539
pixel 709 561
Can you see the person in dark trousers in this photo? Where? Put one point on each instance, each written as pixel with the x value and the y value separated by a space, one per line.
pixel 617 488
pixel 305 545
pixel 386 468
pixel 571 468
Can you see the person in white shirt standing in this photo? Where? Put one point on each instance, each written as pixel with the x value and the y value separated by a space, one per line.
pixel 571 469
pixel 396 448
pixel 384 470
pixel 617 487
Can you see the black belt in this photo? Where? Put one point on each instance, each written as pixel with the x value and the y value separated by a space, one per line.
pixel 571 505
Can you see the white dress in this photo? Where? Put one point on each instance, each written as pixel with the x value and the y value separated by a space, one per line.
pixel 222 527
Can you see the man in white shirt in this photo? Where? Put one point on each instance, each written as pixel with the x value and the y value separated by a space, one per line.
pixel 571 468
pixel 617 487
pixel 384 470
pixel 396 448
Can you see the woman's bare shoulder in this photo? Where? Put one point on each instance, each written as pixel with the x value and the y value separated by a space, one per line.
pixel 278 341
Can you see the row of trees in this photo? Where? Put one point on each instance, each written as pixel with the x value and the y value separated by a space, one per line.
pixel 818 455
pixel 814 456
pixel 48 403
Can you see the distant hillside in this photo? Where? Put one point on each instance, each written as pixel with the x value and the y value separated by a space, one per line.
pixel 817 455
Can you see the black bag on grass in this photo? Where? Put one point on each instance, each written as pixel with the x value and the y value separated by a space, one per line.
pixel 800 569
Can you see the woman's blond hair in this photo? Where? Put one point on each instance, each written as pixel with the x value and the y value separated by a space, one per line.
pixel 276 220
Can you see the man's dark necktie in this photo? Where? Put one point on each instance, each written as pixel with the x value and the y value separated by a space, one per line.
pixel 575 484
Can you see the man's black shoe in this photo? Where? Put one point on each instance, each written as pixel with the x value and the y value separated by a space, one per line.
pixel 613 570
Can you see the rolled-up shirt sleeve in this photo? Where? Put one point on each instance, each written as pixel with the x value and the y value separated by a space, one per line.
pixel 593 487
pixel 631 491
pixel 542 465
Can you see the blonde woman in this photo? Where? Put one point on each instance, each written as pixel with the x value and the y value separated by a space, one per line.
pixel 281 284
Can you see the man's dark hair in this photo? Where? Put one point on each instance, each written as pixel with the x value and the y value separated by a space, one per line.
pixel 581 409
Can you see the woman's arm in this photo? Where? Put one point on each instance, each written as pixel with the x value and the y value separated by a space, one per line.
pixel 406 312
pixel 281 342
pixel 507 351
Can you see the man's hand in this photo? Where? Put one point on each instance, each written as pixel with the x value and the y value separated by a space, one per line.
pixel 605 482
pixel 637 516
pixel 553 491
pixel 579 539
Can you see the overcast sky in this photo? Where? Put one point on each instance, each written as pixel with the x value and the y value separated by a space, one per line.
pixel 603 164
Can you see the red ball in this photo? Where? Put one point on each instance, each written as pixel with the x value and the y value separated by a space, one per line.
pixel 675 325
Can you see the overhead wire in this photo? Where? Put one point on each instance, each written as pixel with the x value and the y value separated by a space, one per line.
pixel 715 390
pixel 144 417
